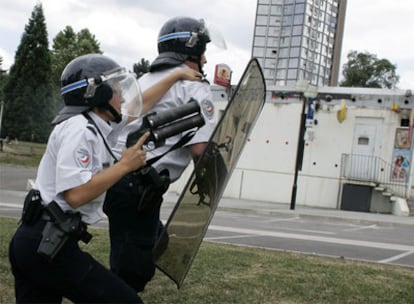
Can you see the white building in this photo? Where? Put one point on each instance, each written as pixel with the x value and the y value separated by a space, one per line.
pixel 357 150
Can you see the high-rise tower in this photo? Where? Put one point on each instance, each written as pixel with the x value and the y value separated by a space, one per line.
pixel 299 39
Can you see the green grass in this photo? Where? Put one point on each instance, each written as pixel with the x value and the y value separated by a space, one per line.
pixel 26 154
pixel 231 274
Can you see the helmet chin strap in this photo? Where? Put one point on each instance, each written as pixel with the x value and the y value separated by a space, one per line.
pixel 117 116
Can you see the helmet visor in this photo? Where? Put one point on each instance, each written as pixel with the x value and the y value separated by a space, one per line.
pixel 123 83
pixel 216 37
pixel 126 85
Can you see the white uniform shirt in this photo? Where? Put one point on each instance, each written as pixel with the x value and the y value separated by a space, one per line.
pixel 73 154
pixel 179 94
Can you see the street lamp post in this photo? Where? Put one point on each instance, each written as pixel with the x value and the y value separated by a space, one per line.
pixel 307 92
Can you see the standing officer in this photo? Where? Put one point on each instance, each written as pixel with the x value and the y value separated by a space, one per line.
pixel 135 227
pixel 72 178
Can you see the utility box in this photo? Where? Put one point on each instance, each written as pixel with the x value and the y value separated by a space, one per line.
pixel 356 197
pixel 380 203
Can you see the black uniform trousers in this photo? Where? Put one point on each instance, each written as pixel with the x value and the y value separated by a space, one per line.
pixel 133 234
pixel 73 273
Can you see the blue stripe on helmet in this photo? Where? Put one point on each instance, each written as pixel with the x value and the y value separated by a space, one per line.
pixel 174 36
pixel 73 86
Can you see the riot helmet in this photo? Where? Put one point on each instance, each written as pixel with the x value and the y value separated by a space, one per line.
pixel 181 39
pixel 91 80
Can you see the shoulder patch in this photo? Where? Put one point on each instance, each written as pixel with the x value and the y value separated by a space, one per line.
pixel 83 157
pixel 208 108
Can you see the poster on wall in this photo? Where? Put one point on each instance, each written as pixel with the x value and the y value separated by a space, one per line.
pixel 401 158
pixel 402 138
pixel 401 165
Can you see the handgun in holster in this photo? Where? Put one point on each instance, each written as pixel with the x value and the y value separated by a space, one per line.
pixel 59 229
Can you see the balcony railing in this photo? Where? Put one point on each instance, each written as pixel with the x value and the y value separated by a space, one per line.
pixel 376 172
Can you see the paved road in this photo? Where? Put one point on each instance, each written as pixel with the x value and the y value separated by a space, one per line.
pixel 15 178
pixel 351 235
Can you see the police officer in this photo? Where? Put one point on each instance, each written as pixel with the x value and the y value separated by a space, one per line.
pixel 72 177
pixel 134 229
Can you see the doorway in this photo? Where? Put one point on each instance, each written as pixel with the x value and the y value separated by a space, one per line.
pixel 366 147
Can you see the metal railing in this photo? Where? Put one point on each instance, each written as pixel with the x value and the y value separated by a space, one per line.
pixel 376 172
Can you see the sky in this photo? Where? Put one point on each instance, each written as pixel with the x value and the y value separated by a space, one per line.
pixel 127 30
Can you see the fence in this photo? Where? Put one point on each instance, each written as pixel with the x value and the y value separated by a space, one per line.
pixel 376 171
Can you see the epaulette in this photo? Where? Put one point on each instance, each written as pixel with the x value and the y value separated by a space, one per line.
pixel 92 128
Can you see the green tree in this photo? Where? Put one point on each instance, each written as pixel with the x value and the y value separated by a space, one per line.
pixel 68 45
pixel 366 70
pixel 29 105
pixel 3 79
pixel 141 67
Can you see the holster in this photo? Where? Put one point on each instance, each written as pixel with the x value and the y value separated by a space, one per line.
pixel 59 228
pixel 151 187
pixel 52 241
pixel 140 191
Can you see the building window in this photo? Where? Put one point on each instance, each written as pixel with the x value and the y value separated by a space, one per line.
pixel 285 41
pixel 286 30
pixel 287 20
pixel 276 10
pixel 274 31
pixel 281 74
pixel 298 20
pixel 363 141
pixel 297 30
pixel 261 20
pixel 294 52
pixel 282 63
pixel 277 21
pixel 261 30
pixel 292 74
pixel 270 64
pixel 269 74
pixel 259 41
pixel 271 53
pixel 273 42
pixel 262 9
pixel 299 9
pixel 294 63
pixel 296 41
pixel 288 10
pixel 258 52
pixel 283 52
